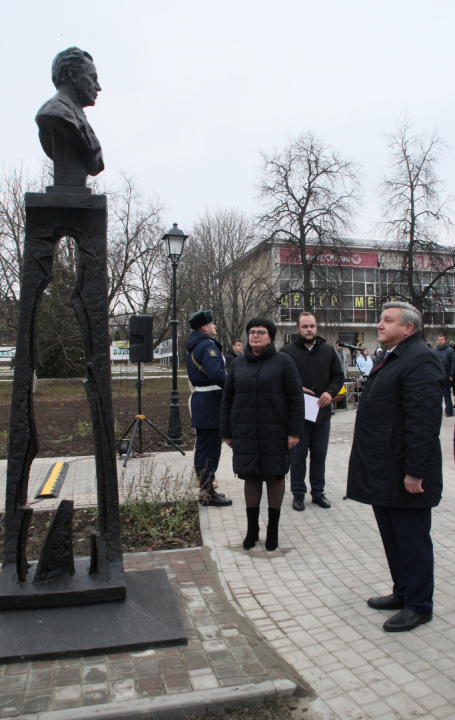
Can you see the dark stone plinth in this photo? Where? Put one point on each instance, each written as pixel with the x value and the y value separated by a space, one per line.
pixel 148 618
pixel 82 588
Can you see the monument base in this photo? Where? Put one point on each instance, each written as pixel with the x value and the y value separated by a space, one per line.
pixel 78 589
pixel 148 618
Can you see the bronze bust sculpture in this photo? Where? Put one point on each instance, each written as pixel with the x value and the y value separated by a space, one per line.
pixel 64 131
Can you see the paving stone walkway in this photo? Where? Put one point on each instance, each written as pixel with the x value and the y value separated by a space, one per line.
pixel 222 651
pixel 170 470
pixel 306 601
pixel 308 598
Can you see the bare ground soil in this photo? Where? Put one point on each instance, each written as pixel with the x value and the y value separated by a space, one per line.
pixel 281 709
pixel 85 522
pixel 63 420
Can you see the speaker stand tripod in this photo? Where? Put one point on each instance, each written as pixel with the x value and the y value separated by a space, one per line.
pixel 127 445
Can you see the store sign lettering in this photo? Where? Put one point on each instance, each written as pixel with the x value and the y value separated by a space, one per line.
pixel 429 262
pixel 291 256
pixel 361 302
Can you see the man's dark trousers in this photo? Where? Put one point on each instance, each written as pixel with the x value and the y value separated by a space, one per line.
pixel 207 456
pixel 447 392
pixel 316 440
pixel 405 533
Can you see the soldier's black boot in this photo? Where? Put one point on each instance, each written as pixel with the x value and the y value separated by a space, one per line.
pixel 209 497
pixel 215 500
pixel 271 541
pixel 252 535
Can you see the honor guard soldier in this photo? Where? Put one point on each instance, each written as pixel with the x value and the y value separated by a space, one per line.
pixel 207 374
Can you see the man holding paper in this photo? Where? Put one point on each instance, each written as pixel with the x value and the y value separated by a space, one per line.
pixel 322 378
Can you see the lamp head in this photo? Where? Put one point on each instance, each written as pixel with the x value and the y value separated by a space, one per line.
pixel 175 240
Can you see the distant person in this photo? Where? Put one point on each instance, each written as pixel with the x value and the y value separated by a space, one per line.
pixel 447 357
pixel 396 462
pixel 234 351
pixel 364 363
pixel 343 359
pixel 378 351
pixel 320 375
pixel 262 418
pixel 207 374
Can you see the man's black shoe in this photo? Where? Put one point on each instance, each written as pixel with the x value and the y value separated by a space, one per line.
pixel 215 500
pixel 322 501
pixel 449 414
pixel 387 602
pixel 299 502
pixel 406 620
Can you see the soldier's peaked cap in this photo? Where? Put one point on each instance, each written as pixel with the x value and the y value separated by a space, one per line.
pixel 200 318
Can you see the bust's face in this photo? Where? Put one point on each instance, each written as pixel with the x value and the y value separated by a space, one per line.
pixel 86 86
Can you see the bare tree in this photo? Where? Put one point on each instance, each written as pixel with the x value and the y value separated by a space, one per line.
pixel 221 270
pixel 14 183
pixel 59 334
pixel 139 280
pixel 310 195
pixel 416 212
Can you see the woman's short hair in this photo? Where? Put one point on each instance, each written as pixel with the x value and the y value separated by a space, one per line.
pixel 262 322
pixel 408 313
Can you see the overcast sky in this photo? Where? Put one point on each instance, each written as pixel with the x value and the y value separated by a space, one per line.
pixel 193 89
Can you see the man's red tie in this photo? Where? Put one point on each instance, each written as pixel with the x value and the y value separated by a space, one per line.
pixel 381 363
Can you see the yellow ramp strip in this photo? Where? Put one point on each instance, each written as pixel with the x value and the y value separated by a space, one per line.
pixel 51 479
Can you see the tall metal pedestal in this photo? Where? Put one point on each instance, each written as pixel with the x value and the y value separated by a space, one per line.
pixel 61 212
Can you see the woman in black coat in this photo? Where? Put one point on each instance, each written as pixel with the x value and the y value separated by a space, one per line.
pixel 262 418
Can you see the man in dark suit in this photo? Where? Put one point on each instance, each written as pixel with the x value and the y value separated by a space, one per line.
pixel 64 131
pixel 321 375
pixel 234 351
pixel 396 462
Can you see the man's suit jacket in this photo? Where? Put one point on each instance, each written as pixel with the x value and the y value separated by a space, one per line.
pixel 397 429
pixel 60 114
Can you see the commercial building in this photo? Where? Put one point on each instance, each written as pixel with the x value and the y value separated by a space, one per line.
pixel 355 282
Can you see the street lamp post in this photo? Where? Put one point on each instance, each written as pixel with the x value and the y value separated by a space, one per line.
pixel 175 240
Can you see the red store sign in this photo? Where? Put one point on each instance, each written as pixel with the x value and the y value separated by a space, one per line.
pixel 291 256
pixel 428 262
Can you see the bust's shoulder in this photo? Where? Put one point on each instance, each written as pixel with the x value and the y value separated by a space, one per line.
pixel 61 107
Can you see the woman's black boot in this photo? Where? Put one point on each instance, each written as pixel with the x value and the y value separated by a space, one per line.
pixel 252 535
pixel 271 541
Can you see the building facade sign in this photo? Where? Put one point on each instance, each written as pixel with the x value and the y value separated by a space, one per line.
pixel 120 351
pixel 426 262
pixel 291 256
pixel 7 352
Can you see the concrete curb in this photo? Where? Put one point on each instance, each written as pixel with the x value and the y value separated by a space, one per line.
pixel 207 541
pixel 174 707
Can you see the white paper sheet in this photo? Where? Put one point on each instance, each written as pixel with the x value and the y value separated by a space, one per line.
pixel 311 407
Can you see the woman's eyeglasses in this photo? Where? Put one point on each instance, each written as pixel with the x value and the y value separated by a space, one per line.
pixel 258 332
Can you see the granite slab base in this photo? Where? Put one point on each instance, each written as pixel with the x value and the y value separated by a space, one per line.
pixel 148 618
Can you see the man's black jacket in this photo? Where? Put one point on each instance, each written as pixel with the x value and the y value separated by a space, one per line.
pixel 397 429
pixel 229 357
pixel 319 369
pixel 447 357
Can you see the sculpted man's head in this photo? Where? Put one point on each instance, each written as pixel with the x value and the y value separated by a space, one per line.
pixel 73 71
